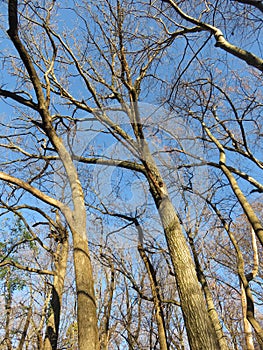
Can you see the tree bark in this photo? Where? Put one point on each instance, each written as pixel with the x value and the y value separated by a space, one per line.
pixel 200 332
pixel 76 218
pixel 61 257
pixel 201 335
pixel 8 302
pixel 105 324
pixel 88 337
pixel 247 326
pixel 25 330
pixel 209 300
pixel 162 337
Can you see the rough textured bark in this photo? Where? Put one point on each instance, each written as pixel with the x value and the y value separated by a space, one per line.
pixel 88 338
pixel 88 335
pixel 201 334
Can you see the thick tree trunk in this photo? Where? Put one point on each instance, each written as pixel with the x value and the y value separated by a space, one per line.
pixel 87 318
pixel 200 332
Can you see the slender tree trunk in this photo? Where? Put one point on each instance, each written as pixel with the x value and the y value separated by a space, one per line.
pixel 247 326
pixel 88 335
pixel 162 337
pixel 61 257
pixel 87 319
pixel 25 330
pixel 8 302
pixel 244 279
pixel 104 337
pixel 128 323
pixel 248 210
pixel 209 300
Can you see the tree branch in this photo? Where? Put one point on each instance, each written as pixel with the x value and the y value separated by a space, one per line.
pixel 34 191
pixel 112 162
pixel 221 42
pixel 26 268
pixel 13 34
pixel 14 96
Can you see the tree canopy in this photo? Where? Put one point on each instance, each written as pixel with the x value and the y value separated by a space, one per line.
pixel 131 192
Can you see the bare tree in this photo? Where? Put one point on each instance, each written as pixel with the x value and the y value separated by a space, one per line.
pixel 79 71
pixel 76 218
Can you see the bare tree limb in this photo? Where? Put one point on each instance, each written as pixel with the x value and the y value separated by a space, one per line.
pixel 26 268
pixel 34 191
pixel 16 97
pixel 221 42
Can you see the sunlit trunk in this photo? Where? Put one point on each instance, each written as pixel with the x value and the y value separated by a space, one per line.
pixel 200 332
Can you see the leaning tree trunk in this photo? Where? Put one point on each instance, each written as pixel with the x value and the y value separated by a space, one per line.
pixel 105 322
pixel 200 332
pixel 61 258
pixel 248 335
pixel 159 316
pixel 76 218
pixel 209 299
